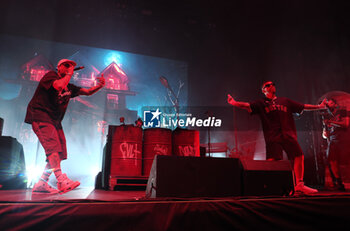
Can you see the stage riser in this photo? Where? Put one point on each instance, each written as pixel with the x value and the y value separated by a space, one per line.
pixel 228 214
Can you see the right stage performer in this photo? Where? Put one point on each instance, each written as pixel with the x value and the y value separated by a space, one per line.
pixel 335 130
pixel 276 114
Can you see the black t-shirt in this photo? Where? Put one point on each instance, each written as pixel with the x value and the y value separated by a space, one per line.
pixel 47 104
pixel 277 117
pixel 338 133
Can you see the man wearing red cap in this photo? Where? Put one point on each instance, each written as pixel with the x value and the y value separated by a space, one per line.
pixel 45 112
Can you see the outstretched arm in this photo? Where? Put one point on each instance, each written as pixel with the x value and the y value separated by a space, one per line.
pixel 243 105
pixel 310 107
pixel 94 89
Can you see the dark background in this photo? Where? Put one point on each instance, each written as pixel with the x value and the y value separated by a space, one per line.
pixel 230 46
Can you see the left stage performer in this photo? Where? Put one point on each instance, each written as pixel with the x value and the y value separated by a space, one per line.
pixel 45 112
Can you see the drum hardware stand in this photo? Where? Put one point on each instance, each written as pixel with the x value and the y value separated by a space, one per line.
pixel 235 149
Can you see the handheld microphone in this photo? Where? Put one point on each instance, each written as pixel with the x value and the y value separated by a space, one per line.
pixel 79 68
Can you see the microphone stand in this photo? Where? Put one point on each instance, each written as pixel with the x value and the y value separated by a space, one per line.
pixel 171 93
pixel 235 131
pixel 174 102
pixel 209 113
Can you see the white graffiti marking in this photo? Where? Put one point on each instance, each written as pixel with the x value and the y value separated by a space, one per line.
pixel 129 150
pixel 187 150
pixel 161 149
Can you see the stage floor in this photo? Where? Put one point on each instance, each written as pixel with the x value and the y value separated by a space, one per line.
pixel 91 209
pixel 80 194
pixel 89 194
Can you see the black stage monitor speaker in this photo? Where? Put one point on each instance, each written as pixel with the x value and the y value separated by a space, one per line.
pixel 12 164
pixel 1 125
pixel 177 176
pixel 266 178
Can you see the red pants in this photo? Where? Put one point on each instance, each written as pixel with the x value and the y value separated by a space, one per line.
pixel 51 138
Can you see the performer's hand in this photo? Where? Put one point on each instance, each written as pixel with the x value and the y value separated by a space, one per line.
pixel 230 99
pixel 70 70
pixel 325 134
pixel 101 81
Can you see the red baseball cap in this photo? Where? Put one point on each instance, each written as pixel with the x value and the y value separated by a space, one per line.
pixel 66 61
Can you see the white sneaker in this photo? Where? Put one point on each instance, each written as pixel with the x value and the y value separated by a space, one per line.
pixel 43 187
pixel 301 188
pixel 64 184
